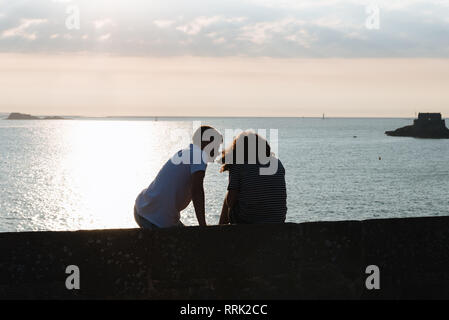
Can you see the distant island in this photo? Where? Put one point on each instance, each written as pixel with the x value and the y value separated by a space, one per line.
pixel 24 116
pixel 54 118
pixel 428 125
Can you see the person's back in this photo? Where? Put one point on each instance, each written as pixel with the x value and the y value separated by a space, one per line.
pixel 178 182
pixel 261 198
pixel 170 192
pixel 256 190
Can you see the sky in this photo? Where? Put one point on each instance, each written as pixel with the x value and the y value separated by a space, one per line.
pixel 218 58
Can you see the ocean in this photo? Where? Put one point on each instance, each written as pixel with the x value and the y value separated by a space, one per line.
pixel 86 173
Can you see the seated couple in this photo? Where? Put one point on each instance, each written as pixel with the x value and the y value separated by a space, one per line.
pixel 252 197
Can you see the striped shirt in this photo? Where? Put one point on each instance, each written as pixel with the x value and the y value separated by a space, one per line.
pixel 261 198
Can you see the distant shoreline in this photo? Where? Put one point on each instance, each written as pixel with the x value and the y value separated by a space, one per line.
pixel 23 116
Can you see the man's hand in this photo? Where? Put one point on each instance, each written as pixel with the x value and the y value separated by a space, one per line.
pixel 198 197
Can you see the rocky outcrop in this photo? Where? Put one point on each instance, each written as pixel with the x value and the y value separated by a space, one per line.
pixel 54 118
pixel 21 116
pixel 24 116
pixel 290 261
pixel 428 125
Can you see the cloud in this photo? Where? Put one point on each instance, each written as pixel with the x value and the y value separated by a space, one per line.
pixel 216 38
pixel 219 40
pixel 302 37
pixel 323 4
pixel 262 32
pixel 164 23
pixel 23 30
pixel 103 23
pixel 195 26
pixel 104 37
pixel 276 28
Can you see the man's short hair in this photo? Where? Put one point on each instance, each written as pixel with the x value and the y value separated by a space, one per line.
pixel 203 135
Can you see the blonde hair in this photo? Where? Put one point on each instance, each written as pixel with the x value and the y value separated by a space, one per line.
pixel 230 157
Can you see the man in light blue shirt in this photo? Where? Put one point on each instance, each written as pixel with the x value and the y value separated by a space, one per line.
pixel 178 182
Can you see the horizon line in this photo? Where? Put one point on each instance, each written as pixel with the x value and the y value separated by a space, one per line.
pixel 221 116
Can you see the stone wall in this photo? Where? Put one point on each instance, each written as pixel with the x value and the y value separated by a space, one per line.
pixel 291 261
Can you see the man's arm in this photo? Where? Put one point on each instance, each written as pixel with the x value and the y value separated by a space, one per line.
pixel 224 217
pixel 198 197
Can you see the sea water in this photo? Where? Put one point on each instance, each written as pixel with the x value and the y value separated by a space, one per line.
pixel 86 173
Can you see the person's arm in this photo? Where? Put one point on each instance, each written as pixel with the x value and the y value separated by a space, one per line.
pixel 198 197
pixel 231 198
pixel 229 202
pixel 224 217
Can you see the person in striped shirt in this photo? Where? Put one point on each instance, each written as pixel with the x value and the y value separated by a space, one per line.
pixel 253 196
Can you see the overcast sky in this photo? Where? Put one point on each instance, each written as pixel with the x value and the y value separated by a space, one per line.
pixel 139 34
pixel 275 28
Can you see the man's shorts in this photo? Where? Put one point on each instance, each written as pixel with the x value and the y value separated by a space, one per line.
pixel 145 224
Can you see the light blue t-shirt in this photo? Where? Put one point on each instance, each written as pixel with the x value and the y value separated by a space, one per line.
pixel 170 192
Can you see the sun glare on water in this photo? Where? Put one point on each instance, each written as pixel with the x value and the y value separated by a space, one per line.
pixel 103 166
